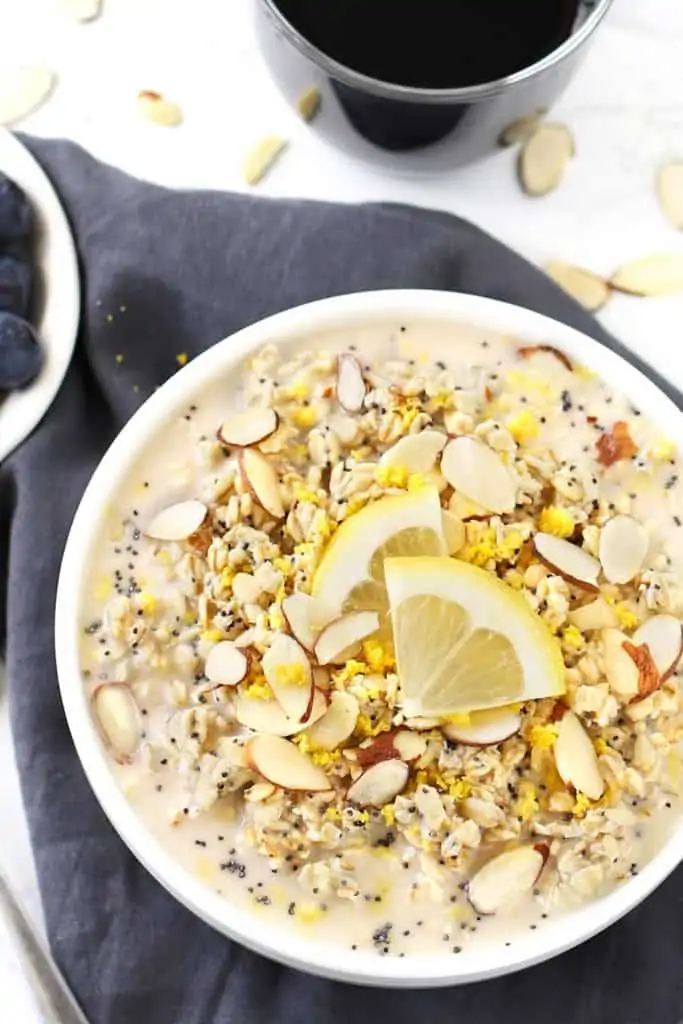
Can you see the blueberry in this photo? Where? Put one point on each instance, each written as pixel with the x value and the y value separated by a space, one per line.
pixel 16 216
pixel 21 356
pixel 15 285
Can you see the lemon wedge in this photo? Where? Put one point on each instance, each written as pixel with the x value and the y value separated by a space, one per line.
pixel 465 641
pixel 350 576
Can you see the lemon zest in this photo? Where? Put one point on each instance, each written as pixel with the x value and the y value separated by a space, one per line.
pixel 557 521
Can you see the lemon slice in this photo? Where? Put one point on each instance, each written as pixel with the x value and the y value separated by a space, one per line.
pixel 350 576
pixel 465 641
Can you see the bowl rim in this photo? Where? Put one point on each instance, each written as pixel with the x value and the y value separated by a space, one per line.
pixel 252 930
pixel 415 94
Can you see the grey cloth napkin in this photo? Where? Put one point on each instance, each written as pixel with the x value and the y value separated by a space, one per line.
pixel 190 268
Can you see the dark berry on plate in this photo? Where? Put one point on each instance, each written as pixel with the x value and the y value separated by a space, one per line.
pixel 16 217
pixel 15 285
pixel 21 356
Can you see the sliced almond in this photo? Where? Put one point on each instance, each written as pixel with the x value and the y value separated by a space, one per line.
pixel 660 274
pixel 621 671
pixel 615 444
pixel 226 664
pixel 417 453
pixel 337 724
pixel 82 10
pixel 177 522
pixel 243 429
pixel 267 716
pixel 304 617
pixel 288 673
pixel 379 748
pixel 527 351
pixel 663 635
pixel 590 290
pixel 380 784
pixel 308 103
pixel 478 472
pixel 485 728
pixel 283 764
pixel 520 129
pixel 261 158
pixel 466 509
pixel 575 758
pixel 351 386
pixel 341 639
pixel 670 192
pixel 409 746
pixel 506 879
pixel 22 90
pixel 544 157
pixel 259 792
pixel 453 531
pixel 649 678
pixel 118 718
pixel 159 110
pixel 568 560
pixel 623 546
pixel 595 615
pixel 261 481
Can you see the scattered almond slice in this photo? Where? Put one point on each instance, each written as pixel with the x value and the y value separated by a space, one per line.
pixel 267 716
pixel 670 192
pixel 261 157
pixel 623 546
pixel 259 792
pixel 351 386
pixel 261 481
pixel 520 129
pixel 544 157
pixel 177 522
pixel 226 664
pixel 22 90
pixel 660 274
pixel 477 471
pixel 571 562
pixel 590 290
pixel 465 509
pixel 380 784
pixel 283 764
pixel 288 673
pixel 305 617
pixel 417 453
pixel 649 678
pixel 379 748
pixel 505 879
pixel 243 429
pixel 337 724
pixel 621 671
pixel 453 532
pixel 575 758
pixel 663 635
pixel 527 351
pixel 615 444
pixel 308 103
pixel 485 728
pixel 409 746
pixel 341 639
pixel 82 10
pixel 598 614
pixel 118 719
pixel 159 110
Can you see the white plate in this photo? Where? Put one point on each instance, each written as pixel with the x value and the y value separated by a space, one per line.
pixel 59 295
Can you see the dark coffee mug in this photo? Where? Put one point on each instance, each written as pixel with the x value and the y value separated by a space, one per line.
pixel 409 129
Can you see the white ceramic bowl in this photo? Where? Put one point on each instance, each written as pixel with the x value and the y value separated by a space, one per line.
pixel 252 931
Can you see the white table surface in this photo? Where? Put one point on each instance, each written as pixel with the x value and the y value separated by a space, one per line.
pixel 625 108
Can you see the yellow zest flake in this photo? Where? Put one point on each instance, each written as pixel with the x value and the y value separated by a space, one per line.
pixel 557 521
pixel 460 789
pixel 509 546
pixel 581 805
pixel 212 636
pixel 542 737
pixel 258 689
pixel 351 669
pixel 304 417
pixel 291 674
pixel 227 576
pixel 181 358
pixel 529 382
pixel 526 806
pixel 441 400
pixel 322 526
pixel 302 493
pixel 366 728
pixel 305 548
pixel 147 602
pixel 572 639
pixel 299 390
pixel 392 476
pixel 163 558
pixel 102 588
pixel 663 450
pixel 601 747
pixel 627 620
pixel 276 619
pixel 377 656
pixel 388 814
pixel 523 426
pixel 332 814
pixel 324 757
pixel 284 566
pixel 309 913
pixel 189 618
pixel 415 482
pixel 483 551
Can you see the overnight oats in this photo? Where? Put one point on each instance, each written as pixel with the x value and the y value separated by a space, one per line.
pixel 385 649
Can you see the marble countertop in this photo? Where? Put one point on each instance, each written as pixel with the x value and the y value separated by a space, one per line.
pixel 625 108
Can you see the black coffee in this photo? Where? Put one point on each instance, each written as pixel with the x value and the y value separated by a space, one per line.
pixel 433 44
